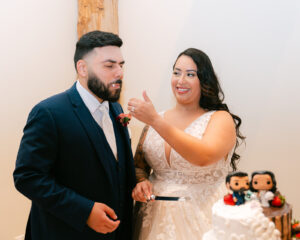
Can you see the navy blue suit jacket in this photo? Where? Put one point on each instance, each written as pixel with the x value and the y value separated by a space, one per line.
pixel 65 164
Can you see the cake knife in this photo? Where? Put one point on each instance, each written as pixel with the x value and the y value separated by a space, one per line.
pixel 168 198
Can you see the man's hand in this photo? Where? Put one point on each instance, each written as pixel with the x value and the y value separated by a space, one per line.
pixel 99 220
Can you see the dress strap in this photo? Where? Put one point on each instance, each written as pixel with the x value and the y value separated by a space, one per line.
pixel 206 118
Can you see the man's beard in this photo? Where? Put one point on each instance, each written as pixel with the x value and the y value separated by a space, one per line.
pixel 102 91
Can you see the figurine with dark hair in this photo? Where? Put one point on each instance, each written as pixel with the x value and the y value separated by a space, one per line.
pixel 238 182
pixel 264 183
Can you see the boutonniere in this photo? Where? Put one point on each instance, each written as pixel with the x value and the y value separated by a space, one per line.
pixel 124 119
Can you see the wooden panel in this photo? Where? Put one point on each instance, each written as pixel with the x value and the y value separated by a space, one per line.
pixel 97 15
pixel 110 19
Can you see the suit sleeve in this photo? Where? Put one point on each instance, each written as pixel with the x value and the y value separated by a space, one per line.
pixel 33 175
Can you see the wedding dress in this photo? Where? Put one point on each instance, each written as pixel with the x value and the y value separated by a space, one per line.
pixel 184 220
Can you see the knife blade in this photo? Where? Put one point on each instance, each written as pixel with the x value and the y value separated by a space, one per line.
pixel 168 198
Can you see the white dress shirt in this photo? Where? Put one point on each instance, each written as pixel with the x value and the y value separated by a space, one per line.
pixel 100 113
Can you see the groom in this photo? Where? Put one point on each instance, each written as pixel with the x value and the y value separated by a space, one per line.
pixel 75 161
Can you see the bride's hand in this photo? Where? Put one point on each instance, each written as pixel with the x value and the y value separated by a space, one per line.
pixel 143 110
pixel 142 191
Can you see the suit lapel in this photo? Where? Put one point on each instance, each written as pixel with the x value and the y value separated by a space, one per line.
pixel 115 110
pixel 126 161
pixel 95 133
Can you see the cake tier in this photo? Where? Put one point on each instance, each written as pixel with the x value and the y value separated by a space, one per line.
pixel 282 218
pixel 244 222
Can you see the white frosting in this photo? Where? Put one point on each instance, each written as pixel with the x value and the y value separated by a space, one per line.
pixel 243 222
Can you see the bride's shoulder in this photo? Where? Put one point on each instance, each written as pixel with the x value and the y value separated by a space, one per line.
pixel 221 116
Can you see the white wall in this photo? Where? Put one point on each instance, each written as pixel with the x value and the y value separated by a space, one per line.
pixel 254 46
pixel 37 45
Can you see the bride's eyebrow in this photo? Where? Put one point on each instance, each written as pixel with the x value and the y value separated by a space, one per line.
pixel 189 70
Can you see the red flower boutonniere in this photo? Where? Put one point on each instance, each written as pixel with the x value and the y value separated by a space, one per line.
pixel 124 119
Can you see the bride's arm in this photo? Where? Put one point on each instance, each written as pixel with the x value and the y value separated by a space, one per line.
pixel 216 143
pixel 143 189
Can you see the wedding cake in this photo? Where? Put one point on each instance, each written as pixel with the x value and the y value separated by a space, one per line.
pixel 243 222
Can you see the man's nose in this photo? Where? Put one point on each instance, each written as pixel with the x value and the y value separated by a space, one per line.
pixel 119 72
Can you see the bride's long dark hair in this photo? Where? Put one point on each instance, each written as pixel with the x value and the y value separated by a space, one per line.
pixel 212 95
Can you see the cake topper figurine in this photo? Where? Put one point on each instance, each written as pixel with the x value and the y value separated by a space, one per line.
pixel 264 184
pixel 238 183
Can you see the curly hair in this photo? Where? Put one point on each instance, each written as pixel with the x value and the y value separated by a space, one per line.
pixel 212 96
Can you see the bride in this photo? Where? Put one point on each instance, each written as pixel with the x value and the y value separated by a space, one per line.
pixel 189 149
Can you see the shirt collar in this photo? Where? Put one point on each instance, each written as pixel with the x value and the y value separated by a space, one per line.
pixel 89 99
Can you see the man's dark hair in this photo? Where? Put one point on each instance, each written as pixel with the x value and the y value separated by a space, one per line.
pixel 94 39
pixel 273 189
pixel 235 174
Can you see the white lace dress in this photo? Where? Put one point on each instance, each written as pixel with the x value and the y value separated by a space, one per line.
pixel 190 219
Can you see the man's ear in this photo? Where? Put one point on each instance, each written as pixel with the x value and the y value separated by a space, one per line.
pixel 82 68
pixel 228 185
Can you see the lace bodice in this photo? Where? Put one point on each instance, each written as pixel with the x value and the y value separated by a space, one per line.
pixel 180 170
pixel 203 186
